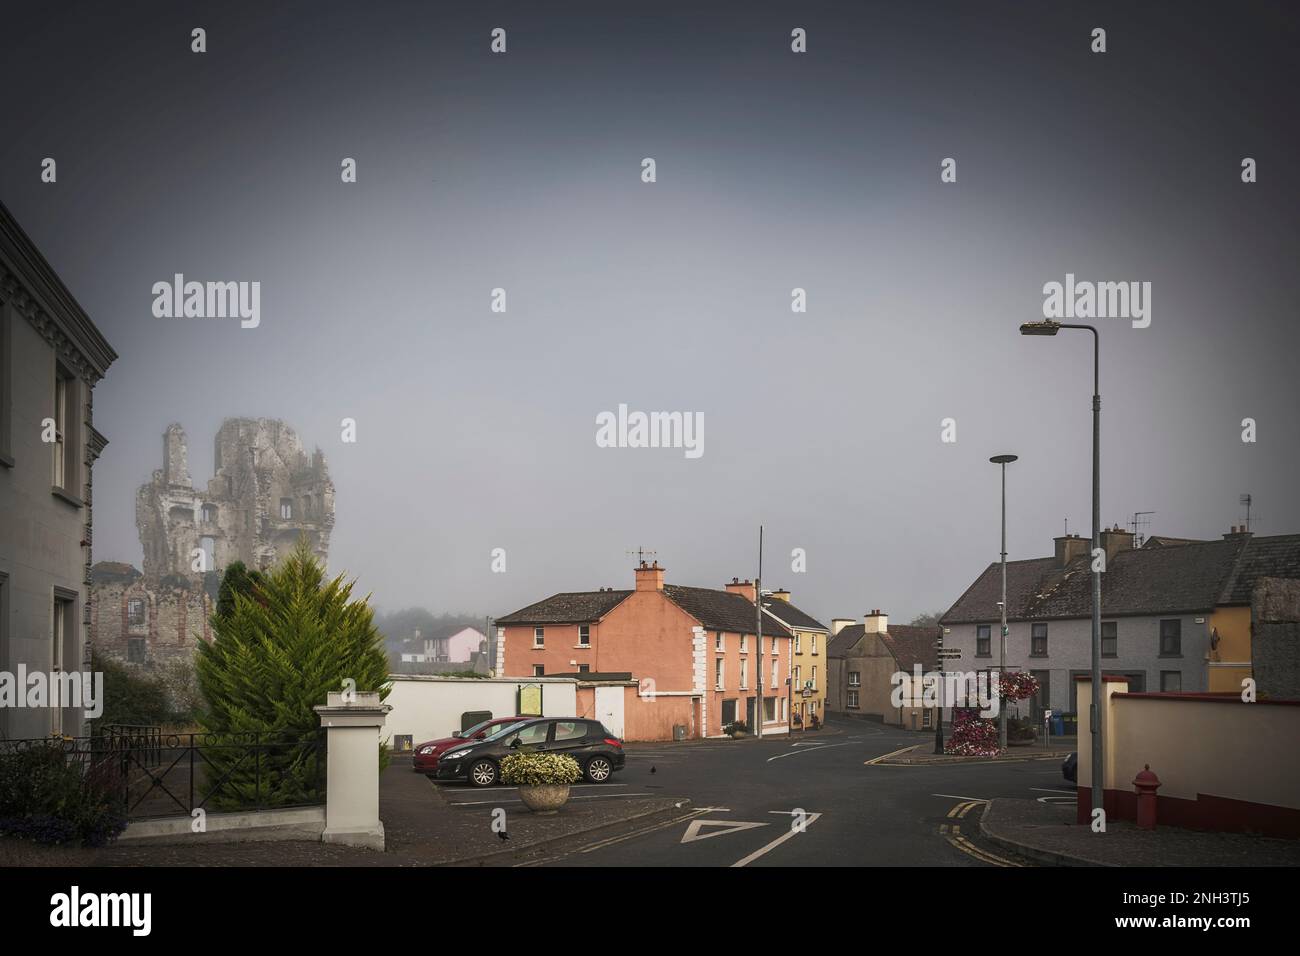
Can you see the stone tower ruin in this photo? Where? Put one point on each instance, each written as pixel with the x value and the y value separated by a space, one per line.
pixel 266 493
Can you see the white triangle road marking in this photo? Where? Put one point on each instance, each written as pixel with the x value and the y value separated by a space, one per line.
pixel 729 826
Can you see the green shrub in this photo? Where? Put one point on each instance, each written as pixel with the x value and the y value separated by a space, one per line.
pixel 276 654
pixel 130 697
pixel 45 798
pixel 536 769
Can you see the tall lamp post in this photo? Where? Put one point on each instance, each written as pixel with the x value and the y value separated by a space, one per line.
pixel 758 638
pixel 1003 460
pixel 1094 726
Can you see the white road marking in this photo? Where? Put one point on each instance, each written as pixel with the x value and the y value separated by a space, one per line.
pixel 591 796
pixel 795 753
pixel 1051 790
pixel 729 826
pixel 812 818
pixel 955 797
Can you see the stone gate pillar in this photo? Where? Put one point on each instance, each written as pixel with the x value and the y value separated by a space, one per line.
pixel 352 781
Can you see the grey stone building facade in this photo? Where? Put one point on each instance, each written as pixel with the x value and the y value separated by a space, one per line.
pixel 51 358
pixel 1159 607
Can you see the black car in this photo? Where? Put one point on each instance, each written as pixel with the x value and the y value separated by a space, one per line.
pixel 1070 768
pixel 598 752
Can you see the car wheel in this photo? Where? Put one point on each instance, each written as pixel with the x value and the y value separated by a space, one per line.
pixel 598 769
pixel 483 773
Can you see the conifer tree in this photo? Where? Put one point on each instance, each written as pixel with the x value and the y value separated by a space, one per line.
pixel 282 646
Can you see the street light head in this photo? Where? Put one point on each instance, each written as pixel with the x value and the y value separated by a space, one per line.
pixel 1003 459
pixel 1046 327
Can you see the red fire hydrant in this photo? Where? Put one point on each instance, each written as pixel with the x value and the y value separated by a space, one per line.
pixel 1147 784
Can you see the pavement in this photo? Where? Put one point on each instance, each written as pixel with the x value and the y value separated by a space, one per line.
pixel 425 824
pixel 847 795
pixel 1048 833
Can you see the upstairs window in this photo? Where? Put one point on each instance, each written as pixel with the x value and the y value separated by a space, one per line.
pixel 983 641
pixel 64 447
pixel 1109 639
pixel 286 508
pixel 1171 638
pixel 135 612
pixel 1038 641
pixel 584 635
pixel 539 637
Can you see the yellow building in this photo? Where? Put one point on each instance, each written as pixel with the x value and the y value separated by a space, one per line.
pixel 808 667
pixel 1228 659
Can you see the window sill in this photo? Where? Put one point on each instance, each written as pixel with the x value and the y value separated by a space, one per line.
pixel 1040 656
pixel 68 498
pixel 582 647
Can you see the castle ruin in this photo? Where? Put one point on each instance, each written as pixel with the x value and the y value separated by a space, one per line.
pixel 266 493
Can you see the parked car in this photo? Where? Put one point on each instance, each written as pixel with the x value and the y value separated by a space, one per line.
pixel 1070 768
pixel 598 752
pixel 424 759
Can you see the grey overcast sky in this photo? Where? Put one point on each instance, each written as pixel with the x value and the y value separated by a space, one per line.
pixel 775 170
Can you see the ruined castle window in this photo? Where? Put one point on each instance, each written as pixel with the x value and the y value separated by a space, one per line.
pixel 209 548
pixel 135 612
pixel 209 513
pixel 135 650
pixel 286 508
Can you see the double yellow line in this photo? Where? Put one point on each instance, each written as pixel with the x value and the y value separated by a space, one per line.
pixel 952 833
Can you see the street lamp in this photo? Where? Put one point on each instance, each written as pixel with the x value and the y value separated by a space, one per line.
pixel 1003 460
pixel 1051 328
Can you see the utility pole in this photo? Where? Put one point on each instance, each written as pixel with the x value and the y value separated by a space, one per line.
pixel 758 638
pixel 1003 460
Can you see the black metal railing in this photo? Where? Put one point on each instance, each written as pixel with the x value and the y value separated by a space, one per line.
pixel 155 774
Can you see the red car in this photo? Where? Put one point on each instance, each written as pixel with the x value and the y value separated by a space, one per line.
pixel 425 757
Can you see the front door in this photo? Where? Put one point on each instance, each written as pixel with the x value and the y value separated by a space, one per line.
pixel 609 709
pixel 749 713
pixel 1043 698
pixel 729 711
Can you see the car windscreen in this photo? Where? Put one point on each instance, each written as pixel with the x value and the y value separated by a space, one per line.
pixel 482 724
pixel 503 730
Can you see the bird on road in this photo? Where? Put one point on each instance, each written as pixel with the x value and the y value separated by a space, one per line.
pixel 652 768
pixel 503 835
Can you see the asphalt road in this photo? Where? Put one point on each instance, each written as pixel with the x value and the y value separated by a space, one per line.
pixel 745 795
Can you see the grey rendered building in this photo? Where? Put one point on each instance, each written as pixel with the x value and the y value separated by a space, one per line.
pixel 51 356
pixel 1158 606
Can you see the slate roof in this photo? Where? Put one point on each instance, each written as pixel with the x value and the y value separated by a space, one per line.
pixel 791 616
pixel 1276 556
pixel 909 645
pixel 1167 579
pixel 722 610
pixel 569 607
pixel 840 643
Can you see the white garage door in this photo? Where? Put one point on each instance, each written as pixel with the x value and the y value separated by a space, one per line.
pixel 609 709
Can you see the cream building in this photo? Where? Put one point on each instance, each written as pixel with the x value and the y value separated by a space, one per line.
pixel 51 357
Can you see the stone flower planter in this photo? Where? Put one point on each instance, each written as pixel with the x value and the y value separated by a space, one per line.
pixel 544 798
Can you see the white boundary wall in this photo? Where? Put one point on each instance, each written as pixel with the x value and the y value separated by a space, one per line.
pixel 428 708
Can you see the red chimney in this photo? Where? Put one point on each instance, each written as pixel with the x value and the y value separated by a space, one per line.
pixel 649 577
pixel 744 588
